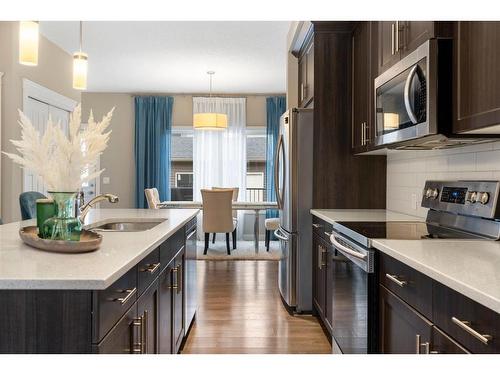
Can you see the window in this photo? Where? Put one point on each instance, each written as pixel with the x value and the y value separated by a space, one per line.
pixel 256 164
pixel 181 171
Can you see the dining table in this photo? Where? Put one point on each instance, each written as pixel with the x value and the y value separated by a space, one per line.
pixel 245 206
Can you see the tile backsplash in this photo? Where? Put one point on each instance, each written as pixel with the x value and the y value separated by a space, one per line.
pixel 407 172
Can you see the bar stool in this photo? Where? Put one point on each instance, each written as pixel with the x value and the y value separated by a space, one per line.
pixel 271 225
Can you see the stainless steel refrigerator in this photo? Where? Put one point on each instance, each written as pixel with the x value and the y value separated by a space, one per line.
pixel 293 184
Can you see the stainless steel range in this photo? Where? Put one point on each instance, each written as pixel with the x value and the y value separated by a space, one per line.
pixel 466 210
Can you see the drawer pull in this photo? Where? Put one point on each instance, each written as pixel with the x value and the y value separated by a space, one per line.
pixel 174 286
pixel 317 226
pixel 151 268
pixel 419 344
pixel 130 294
pixel 395 280
pixel 465 325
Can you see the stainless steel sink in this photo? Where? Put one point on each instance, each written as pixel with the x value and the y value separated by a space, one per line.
pixel 127 226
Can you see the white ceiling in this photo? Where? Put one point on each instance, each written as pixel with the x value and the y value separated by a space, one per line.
pixel 173 57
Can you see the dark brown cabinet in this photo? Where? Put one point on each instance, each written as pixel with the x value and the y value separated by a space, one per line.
pixel 319 274
pixel 397 39
pixel 306 75
pixel 178 300
pixel 124 338
pixel 452 323
pixel 403 330
pixel 362 87
pixel 140 313
pixel 322 273
pixel 148 315
pixel 476 83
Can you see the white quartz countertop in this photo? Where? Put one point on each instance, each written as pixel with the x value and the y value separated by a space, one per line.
pixel 471 267
pixel 332 216
pixel 23 267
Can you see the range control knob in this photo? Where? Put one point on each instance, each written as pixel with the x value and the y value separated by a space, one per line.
pixel 472 196
pixel 483 197
pixel 431 193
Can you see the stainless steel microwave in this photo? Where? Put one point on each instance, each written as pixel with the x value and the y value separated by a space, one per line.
pixel 406 95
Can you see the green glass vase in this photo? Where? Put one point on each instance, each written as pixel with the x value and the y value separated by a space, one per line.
pixel 65 225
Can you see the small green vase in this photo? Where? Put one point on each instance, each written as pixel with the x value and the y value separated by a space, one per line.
pixel 64 226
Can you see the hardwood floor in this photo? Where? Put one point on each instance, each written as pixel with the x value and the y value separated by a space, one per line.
pixel 240 311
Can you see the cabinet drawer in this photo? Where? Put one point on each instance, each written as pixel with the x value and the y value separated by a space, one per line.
pixel 147 270
pixel 110 304
pixel 320 227
pixel 443 344
pixel 121 339
pixel 171 246
pixel 480 333
pixel 410 285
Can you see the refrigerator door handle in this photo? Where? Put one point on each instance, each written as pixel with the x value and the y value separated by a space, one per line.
pixel 279 148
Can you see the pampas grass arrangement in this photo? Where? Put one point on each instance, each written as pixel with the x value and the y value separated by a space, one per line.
pixel 63 162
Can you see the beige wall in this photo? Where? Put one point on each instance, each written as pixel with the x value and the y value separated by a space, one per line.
pixel 118 159
pixel 54 71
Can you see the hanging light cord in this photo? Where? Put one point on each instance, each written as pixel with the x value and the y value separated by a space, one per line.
pixel 81 33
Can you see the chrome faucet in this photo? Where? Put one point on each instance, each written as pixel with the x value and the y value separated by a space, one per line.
pixel 84 210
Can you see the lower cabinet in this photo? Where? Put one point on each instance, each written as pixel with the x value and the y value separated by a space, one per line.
pixel 404 331
pixel 123 337
pixel 322 280
pixel 171 311
pixel 165 282
pixel 420 315
pixel 141 313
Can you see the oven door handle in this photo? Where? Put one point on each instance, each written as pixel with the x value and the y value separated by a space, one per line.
pixel 411 114
pixel 345 249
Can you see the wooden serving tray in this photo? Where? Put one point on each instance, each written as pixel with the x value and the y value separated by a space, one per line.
pixel 89 241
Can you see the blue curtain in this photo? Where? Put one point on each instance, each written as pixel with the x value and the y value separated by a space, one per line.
pixel 153 129
pixel 275 106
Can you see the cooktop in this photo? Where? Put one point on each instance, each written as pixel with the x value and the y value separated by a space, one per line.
pixel 403 230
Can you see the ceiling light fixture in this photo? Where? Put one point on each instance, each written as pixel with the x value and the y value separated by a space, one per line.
pixel 28 43
pixel 211 120
pixel 80 66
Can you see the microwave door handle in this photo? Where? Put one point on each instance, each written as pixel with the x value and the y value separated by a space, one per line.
pixel 408 107
pixel 276 172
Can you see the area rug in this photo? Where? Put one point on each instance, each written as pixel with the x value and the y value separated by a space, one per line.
pixel 245 251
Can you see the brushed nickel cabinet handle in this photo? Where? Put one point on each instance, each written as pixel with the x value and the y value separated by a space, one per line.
pixel 145 332
pixel 320 257
pixel 466 326
pixel 151 268
pixel 419 344
pixel 394 279
pixel 137 345
pixel 174 274
pixel 397 36
pixel 317 226
pixel 179 279
pixel 130 294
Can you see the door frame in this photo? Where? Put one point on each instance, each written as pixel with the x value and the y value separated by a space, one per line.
pixel 35 91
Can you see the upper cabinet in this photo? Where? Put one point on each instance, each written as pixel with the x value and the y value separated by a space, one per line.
pixel 306 75
pixel 476 82
pixel 397 39
pixel 363 58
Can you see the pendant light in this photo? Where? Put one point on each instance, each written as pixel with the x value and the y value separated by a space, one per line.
pixel 80 66
pixel 28 43
pixel 210 120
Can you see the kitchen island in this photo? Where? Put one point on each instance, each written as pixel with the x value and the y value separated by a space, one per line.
pixel 129 296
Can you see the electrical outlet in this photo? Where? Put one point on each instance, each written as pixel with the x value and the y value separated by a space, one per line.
pixel 414 201
pixel 105 180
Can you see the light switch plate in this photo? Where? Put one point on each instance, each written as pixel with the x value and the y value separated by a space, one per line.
pixel 105 180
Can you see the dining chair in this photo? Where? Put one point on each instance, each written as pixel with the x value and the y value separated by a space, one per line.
pixel 27 202
pixel 217 214
pixel 153 198
pixel 236 192
pixel 271 225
